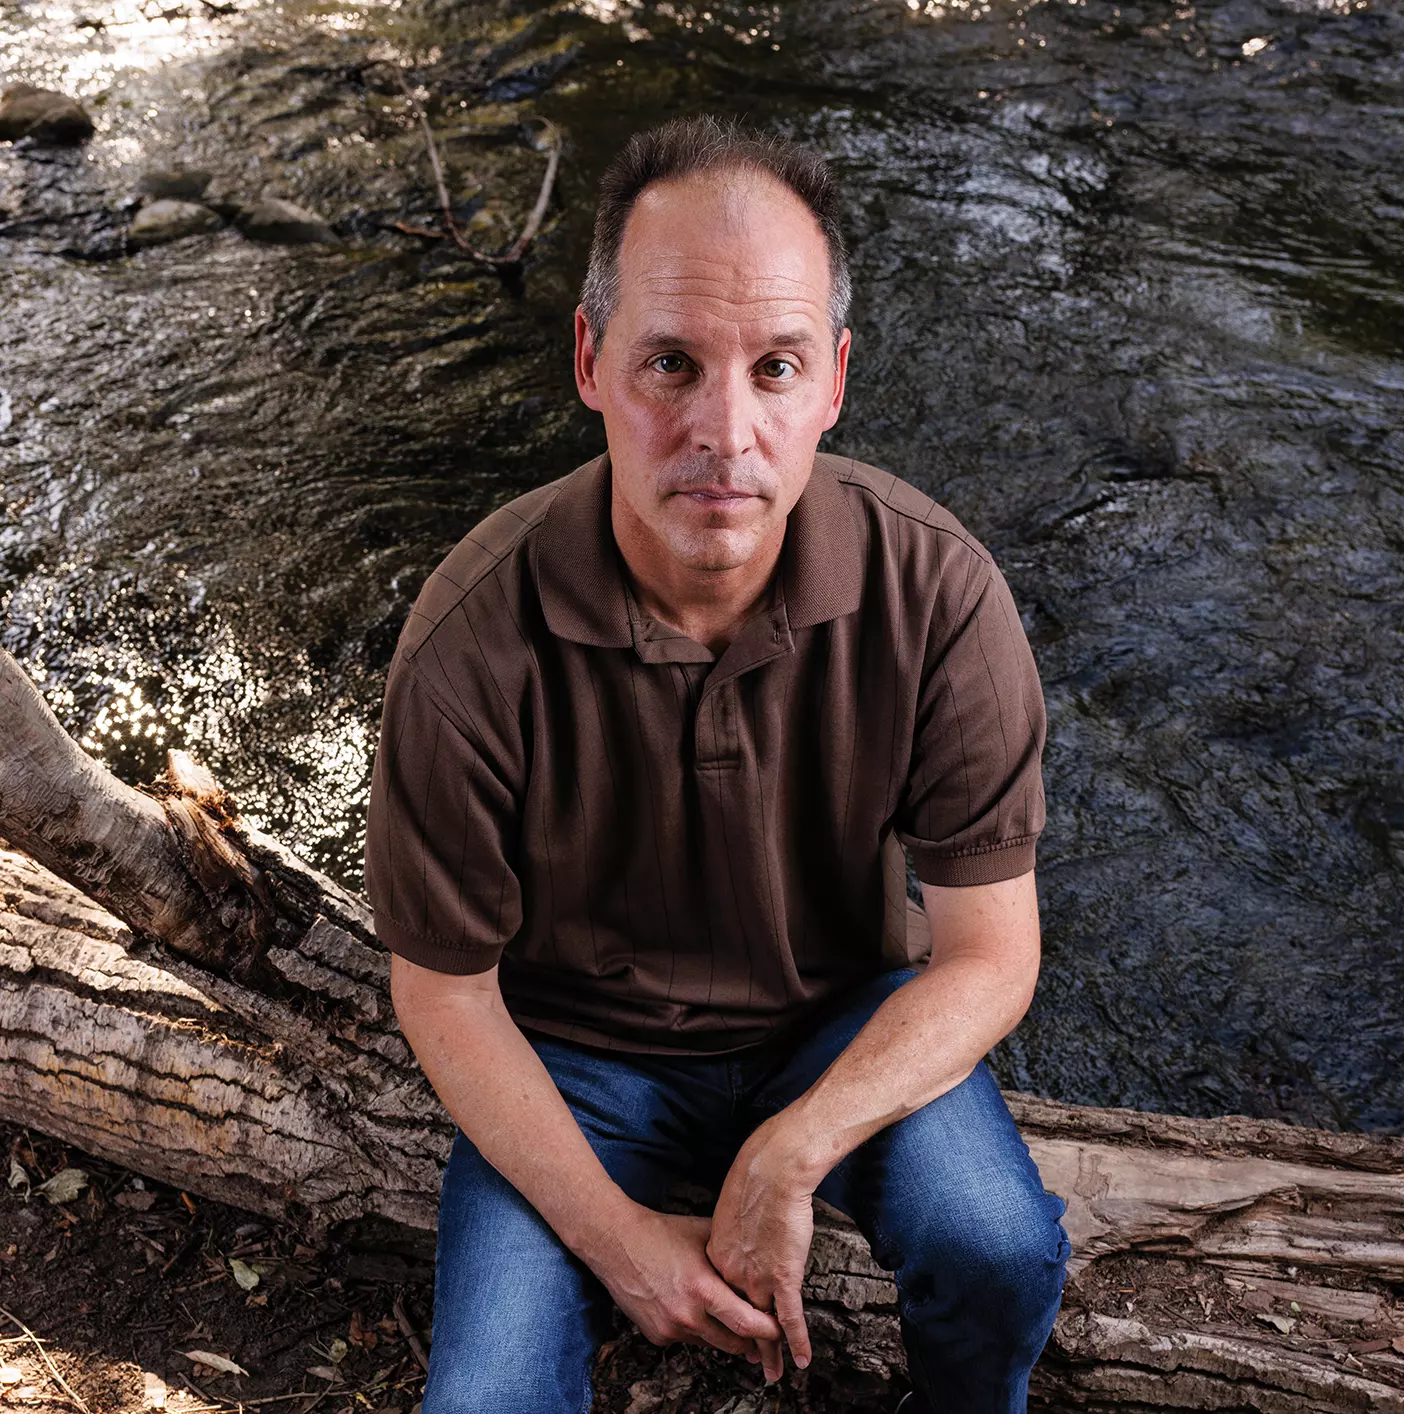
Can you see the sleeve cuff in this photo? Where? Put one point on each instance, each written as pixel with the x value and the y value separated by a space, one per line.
pixel 986 865
pixel 435 953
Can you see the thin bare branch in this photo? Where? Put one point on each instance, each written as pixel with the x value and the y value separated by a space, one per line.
pixel 409 1333
pixel 533 223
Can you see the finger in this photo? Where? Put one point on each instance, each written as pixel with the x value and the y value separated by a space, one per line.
pixel 718 1335
pixel 789 1310
pixel 772 1360
pixel 737 1314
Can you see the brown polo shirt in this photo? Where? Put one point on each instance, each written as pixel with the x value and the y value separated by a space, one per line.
pixel 672 851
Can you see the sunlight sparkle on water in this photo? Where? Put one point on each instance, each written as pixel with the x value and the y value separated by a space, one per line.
pixel 81 48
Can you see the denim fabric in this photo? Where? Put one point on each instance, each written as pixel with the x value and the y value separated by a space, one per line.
pixel 949 1199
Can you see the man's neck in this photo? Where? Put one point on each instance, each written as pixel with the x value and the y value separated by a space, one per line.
pixel 709 606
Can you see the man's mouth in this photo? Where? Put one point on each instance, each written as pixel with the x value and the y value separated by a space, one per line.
pixel 720 497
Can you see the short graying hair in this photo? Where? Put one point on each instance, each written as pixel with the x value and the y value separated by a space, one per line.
pixel 684 146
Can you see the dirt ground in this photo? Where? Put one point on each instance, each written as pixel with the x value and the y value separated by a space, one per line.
pixel 111 1297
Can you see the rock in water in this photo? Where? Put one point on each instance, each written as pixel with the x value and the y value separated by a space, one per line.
pixel 42 114
pixel 161 221
pixel 175 184
pixel 273 219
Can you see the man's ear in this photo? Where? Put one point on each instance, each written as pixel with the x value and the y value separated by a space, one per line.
pixel 840 377
pixel 585 361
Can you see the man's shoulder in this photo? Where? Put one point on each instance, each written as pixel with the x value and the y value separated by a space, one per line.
pixel 894 508
pixel 469 570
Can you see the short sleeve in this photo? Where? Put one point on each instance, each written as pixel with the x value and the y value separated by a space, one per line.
pixel 973 804
pixel 441 826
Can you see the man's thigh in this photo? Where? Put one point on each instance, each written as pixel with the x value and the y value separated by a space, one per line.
pixel 517 1316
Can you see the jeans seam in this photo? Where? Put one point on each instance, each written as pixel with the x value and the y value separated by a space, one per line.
pixel 590 1359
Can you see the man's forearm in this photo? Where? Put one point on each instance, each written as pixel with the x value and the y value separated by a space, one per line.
pixel 497 1091
pixel 921 1042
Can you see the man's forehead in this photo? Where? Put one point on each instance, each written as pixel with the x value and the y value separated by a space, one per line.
pixel 724 295
pixel 663 335
pixel 763 240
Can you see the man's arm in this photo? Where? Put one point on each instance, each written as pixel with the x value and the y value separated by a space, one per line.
pixel 502 1097
pixel 924 1039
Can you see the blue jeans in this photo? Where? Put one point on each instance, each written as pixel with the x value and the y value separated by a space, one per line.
pixel 949 1199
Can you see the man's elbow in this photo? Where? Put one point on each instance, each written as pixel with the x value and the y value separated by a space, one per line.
pixel 415 990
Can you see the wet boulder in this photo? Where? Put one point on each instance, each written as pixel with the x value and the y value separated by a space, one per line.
pixel 42 114
pixel 175 183
pixel 273 219
pixel 168 220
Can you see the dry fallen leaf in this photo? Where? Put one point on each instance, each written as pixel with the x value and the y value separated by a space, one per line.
pixel 645 1397
pixel 139 1202
pixel 323 1372
pixel 1281 1323
pixel 243 1274
pixel 64 1186
pixel 215 1362
pixel 337 1350
pixel 10 1374
pixel 17 1174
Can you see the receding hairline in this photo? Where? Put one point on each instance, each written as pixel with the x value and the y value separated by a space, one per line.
pixel 735 176
pixel 731 189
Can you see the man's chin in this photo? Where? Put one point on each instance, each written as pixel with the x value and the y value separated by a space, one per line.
pixel 714 550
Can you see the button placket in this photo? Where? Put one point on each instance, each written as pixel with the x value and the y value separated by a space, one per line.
pixel 716 739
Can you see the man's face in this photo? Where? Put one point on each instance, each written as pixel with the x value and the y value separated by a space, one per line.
pixel 717 372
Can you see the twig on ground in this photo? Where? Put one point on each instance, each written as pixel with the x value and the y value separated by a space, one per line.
pixel 53 1369
pixel 316 1400
pixel 196 1285
pixel 533 222
pixel 216 1401
pixel 405 228
pixel 186 1380
pixel 183 1250
pixel 409 1333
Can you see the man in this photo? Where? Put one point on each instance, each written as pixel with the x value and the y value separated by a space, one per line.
pixel 654 735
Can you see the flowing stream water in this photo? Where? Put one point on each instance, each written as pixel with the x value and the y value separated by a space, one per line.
pixel 1129 300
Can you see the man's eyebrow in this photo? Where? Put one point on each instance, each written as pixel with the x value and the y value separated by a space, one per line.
pixel 665 340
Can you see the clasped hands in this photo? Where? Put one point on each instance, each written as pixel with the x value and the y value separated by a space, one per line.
pixel 731 1280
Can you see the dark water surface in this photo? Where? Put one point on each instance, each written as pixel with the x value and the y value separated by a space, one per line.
pixel 1129 300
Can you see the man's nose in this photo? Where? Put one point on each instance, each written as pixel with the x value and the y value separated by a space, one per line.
pixel 724 414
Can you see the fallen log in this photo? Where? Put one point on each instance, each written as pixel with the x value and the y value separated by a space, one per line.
pixel 182 995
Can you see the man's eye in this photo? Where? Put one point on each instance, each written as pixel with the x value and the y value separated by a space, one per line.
pixel 676 361
pixel 773 368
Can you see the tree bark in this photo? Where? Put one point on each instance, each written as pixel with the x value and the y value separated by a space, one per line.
pixel 180 994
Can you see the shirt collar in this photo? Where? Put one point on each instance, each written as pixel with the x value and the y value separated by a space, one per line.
pixel 581 579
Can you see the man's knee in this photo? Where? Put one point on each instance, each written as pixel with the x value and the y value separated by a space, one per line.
pixel 999 1256
pixel 514 1362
